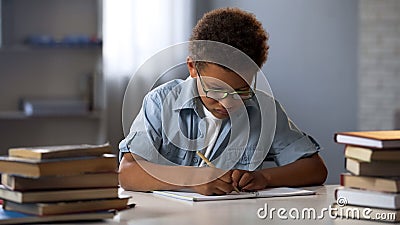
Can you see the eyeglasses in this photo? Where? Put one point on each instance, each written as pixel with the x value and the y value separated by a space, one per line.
pixel 221 94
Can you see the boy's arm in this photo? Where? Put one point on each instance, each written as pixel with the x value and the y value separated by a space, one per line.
pixel 135 174
pixel 303 172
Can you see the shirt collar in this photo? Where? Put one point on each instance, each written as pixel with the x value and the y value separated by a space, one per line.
pixel 188 98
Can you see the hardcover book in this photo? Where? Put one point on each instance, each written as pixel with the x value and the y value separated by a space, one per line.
pixel 57 167
pixel 54 208
pixel 386 184
pixel 374 168
pixel 58 195
pixel 369 198
pixel 374 139
pixel 87 180
pixel 11 217
pixel 60 151
pixel 371 154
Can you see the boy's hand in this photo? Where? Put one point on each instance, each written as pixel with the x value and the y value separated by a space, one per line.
pixel 220 186
pixel 248 180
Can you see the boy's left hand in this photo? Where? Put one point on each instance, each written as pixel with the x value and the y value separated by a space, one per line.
pixel 248 180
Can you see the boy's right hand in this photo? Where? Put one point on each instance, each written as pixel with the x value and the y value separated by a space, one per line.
pixel 219 186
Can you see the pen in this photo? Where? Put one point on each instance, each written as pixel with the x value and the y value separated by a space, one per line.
pixel 211 165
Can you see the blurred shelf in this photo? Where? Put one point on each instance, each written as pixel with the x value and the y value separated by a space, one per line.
pixel 29 48
pixel 20 115
pixel 65 61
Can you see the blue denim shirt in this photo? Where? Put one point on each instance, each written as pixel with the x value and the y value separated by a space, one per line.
pixel 170 128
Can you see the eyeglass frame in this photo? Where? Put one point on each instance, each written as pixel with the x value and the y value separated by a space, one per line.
pixel 226 93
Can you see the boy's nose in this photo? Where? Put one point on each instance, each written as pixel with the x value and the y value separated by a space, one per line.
pixel 228 102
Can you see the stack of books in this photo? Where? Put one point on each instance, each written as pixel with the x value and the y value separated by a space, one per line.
pixel 371 188
pixel 76 180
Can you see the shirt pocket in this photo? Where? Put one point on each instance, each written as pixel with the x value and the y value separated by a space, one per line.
pixel 173 153
pixel 244 159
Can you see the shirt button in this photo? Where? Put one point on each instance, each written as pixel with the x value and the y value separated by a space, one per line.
pixel 195 160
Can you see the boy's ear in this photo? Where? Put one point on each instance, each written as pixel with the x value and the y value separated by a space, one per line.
pixel 191 67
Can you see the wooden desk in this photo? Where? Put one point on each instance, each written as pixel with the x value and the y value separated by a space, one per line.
pixel 152 209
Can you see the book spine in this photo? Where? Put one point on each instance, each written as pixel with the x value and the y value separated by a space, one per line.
pixel 335 137
pixel 342 177
pixel 335 194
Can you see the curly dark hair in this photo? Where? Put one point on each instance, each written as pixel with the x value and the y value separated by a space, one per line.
pixel 236 28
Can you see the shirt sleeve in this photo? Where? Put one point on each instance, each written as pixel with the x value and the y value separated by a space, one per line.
pixel 144 138
pixel 290 144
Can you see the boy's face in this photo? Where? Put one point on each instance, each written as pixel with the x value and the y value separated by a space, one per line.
pixel 214 77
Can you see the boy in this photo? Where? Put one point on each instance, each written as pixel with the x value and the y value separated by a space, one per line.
pixel 156 157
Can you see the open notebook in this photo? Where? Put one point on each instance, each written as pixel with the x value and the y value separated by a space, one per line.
pixel 267 193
